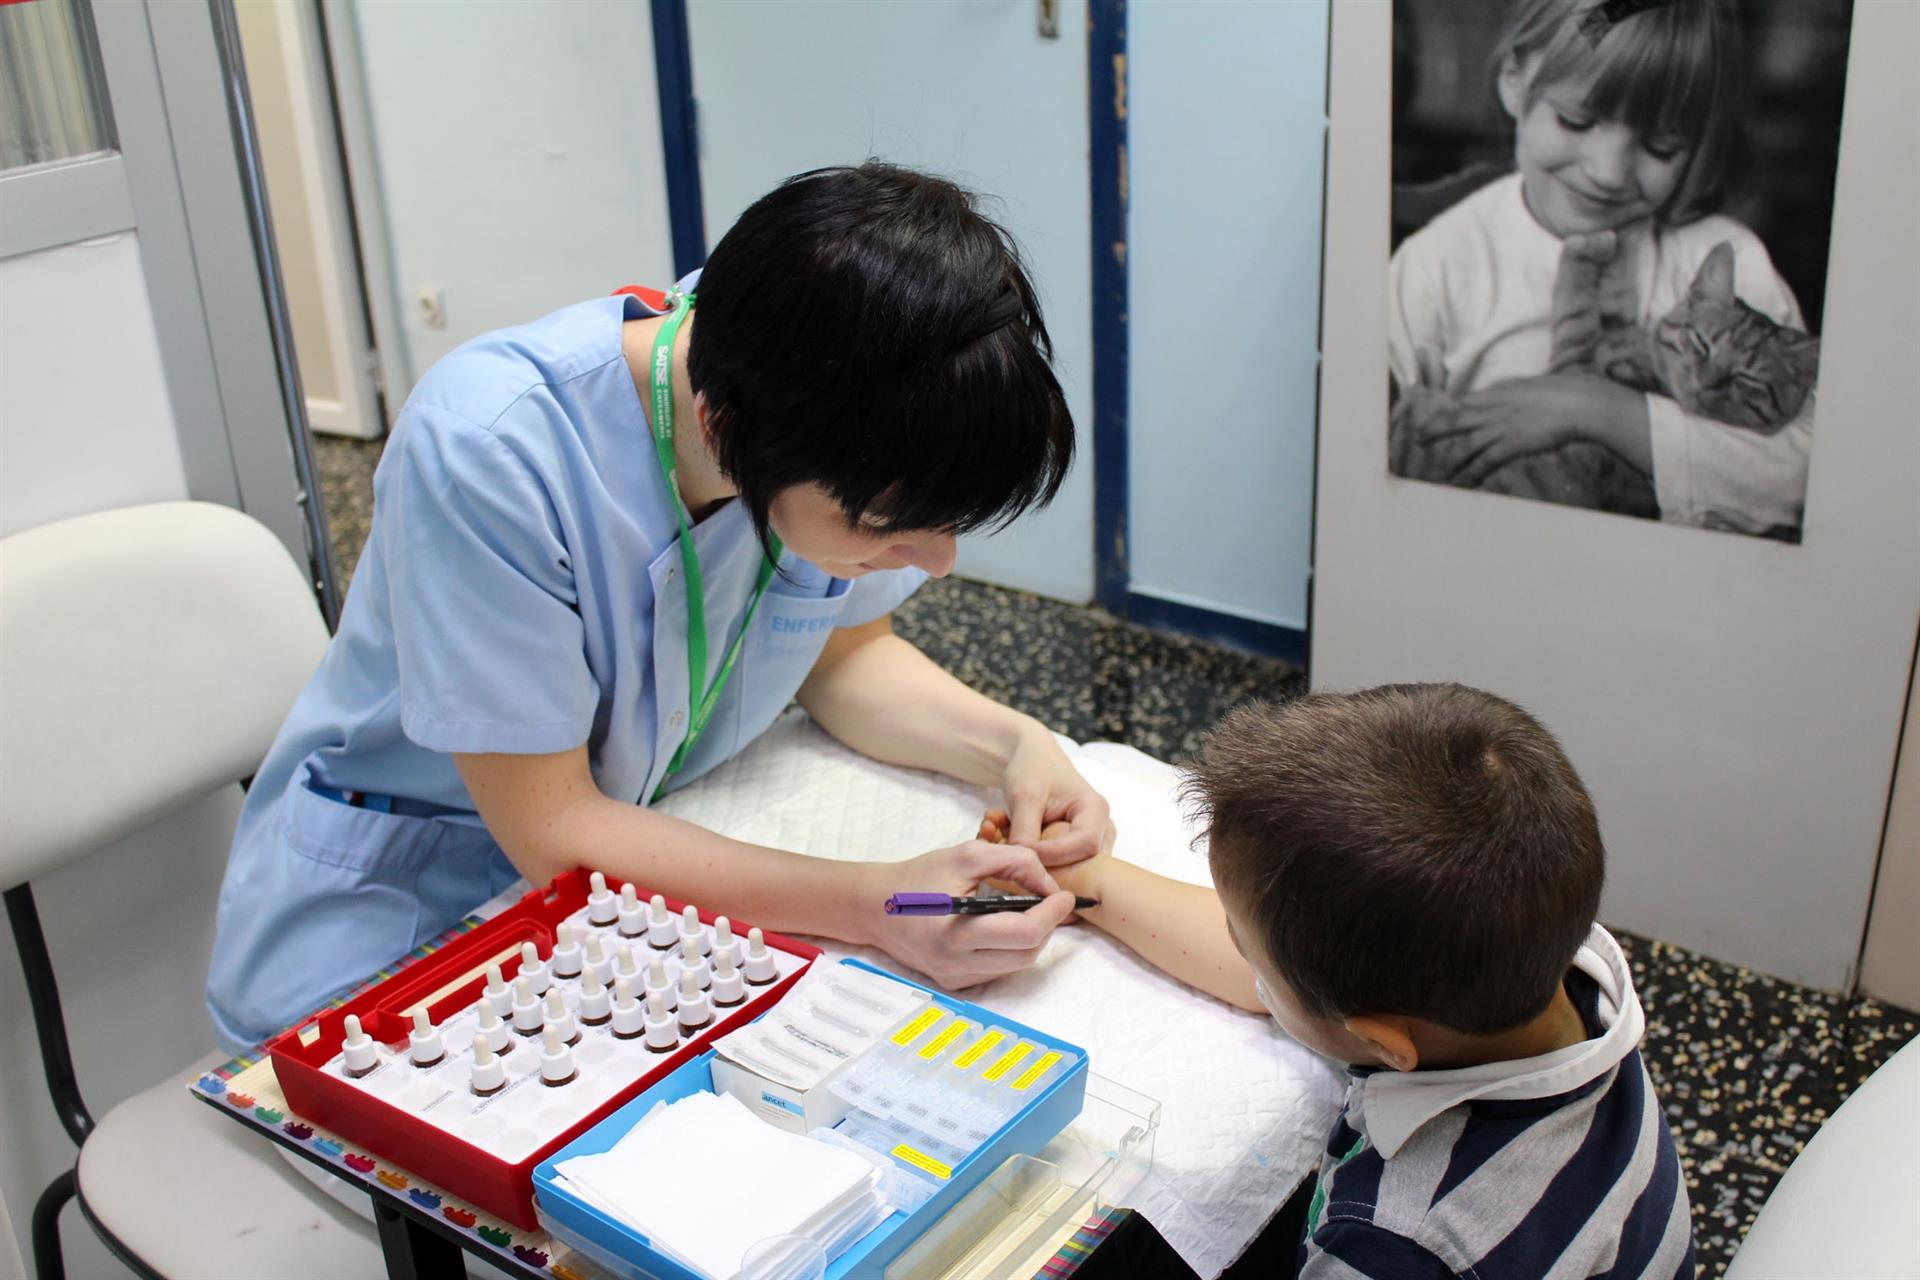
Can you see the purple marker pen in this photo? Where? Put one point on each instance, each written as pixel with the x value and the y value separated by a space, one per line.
pixel 945 904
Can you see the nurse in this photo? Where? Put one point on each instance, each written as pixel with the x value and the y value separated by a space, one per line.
pixel 611 546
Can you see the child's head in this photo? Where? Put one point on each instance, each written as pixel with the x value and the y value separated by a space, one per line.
pixel 1411 851
pixel 1622 109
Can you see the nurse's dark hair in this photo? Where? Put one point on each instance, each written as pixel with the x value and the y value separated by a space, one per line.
pixel 1668 68
pixel 1425 850
pixel 869 330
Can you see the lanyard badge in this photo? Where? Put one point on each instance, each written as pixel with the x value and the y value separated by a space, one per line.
pixel 702 697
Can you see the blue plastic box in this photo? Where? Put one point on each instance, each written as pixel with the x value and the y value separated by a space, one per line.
pixel 623 1250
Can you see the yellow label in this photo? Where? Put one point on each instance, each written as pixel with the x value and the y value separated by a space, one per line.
pixel 921 1160
pixel 911 1032
pixel 978 1049
pixel 932 1048
pixel 1008 1061
pixel 1035 1071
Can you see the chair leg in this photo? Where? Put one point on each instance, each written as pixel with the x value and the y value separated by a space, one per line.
pixel 49 1263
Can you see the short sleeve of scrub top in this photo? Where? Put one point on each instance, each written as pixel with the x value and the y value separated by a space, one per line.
pixel 490 655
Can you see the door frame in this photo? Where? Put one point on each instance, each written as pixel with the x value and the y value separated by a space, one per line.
pixel 301 57
pixel 186 180
pixel 372 238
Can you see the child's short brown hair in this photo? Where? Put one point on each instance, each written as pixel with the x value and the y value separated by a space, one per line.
pixel 1424 850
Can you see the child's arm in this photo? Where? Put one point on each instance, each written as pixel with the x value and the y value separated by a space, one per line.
pixel 1173 925
pixel 1525 416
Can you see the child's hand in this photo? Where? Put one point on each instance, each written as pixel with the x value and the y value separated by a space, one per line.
pixel 1532 415
pixel 1085 879
pixel 995 828
pixel 1419 413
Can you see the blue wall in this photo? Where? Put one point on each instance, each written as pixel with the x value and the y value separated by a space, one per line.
pixel 1226 120
pixel 967 89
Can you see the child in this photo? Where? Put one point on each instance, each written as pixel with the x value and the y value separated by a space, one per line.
pixel 1407 879
pixel 1623 115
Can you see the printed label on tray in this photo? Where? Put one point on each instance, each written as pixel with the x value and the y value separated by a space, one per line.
pixel 978 1049
pixel 1011 1059
pixel 921 1160
pixel 1035 1071
pixel 934 1047
pixel 913 1030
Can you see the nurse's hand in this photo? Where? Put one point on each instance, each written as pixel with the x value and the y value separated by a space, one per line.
pixel 963 951
pixel 1044 789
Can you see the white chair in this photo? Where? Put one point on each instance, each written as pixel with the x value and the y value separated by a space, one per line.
pixel 1849 1204
pixel 148 656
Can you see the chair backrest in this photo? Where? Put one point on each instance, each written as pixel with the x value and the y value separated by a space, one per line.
pixel 1846 1205
pixel 147 657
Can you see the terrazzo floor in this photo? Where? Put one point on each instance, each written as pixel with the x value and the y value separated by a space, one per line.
pixel 1748 1067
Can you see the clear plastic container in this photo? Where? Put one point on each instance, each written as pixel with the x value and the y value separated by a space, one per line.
pixel 1018 1218
pixel 784 1258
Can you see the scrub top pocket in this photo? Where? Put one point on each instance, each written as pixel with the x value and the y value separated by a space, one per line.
pixel 343 892
pixel 790 628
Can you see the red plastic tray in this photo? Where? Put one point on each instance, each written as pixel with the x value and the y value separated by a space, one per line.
pixel 454 978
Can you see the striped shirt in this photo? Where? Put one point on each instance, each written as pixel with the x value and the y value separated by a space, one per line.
pixel 1558 1166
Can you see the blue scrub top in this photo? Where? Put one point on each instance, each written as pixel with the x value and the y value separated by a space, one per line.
pixel 520 592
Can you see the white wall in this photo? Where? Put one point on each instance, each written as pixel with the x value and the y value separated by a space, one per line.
pixel 1226 125
pixel 968 90
pixel 1733 703
pixel 517 148
pixel 85 426
pixel 84 417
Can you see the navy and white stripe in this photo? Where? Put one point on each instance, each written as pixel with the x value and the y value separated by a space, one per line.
pixel 1512 1181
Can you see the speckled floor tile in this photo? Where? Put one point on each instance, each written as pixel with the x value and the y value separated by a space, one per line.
pixel 1748 1067
pixel 346 487
pixel 1084 673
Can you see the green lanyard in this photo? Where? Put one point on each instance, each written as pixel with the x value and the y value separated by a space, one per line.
pixel 1319 1202
pixel 700 704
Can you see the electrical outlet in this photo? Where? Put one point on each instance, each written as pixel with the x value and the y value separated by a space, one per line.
pixel 430 306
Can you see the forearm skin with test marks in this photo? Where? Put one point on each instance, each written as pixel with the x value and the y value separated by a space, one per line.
pixel 1177 927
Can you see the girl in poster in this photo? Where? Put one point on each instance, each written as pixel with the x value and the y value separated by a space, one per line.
pixel 1589 329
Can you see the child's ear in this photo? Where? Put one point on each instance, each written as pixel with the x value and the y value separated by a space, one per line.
pixel 1511 84
pixel 1390 1037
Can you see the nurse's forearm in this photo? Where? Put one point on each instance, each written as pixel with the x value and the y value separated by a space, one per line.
pixel 549 817
pixel 884 698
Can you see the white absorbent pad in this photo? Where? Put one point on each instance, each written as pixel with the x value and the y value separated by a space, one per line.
pixel 704 1179
pixel 1244 1110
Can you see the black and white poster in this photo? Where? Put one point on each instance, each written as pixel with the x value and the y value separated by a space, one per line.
pixel 1610 225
